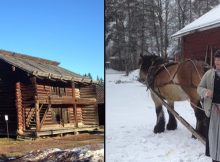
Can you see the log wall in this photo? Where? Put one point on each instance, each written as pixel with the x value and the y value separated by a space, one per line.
pixel 7 107
pixel 7 100
pixel 89 112
pixel 49 113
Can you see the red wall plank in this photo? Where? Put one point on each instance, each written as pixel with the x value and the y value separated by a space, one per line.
pixel 195 45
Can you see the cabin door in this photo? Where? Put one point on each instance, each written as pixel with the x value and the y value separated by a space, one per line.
pixel 64 114
pixel 61 116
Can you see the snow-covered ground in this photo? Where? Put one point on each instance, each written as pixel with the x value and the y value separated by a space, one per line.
pixel 84 153
pixel 130 117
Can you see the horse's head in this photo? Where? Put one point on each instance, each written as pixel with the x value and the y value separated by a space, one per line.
pixel 145 62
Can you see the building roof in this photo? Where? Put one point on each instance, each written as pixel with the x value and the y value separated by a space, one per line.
pixel 208 21
pixel 19 55
pixel 41 67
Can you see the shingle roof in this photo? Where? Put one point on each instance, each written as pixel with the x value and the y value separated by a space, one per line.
pixel 208 21
pixel 42 67
pixel 19 55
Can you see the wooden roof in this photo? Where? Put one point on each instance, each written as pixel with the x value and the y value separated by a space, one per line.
pixel 36 59
pixel 41 67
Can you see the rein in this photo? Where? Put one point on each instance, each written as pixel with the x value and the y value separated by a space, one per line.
pixel 196 69
pixel 168 72
pixel 154 70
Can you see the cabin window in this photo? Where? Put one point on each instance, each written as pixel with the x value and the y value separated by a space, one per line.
pixel 55 91
pixel 58 91
pixel 62 91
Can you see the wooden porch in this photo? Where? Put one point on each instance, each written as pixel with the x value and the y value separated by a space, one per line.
pixel 56 100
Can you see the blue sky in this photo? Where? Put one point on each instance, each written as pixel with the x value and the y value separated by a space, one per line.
pixel 68 31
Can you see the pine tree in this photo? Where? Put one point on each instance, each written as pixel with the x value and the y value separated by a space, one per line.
pixel 89 75
pixel 134 27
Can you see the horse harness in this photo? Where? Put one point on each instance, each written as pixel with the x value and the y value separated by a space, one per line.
pixel 155 69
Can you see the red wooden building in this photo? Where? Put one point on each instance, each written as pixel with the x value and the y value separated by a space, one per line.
pixel 201 37
pixel 41 98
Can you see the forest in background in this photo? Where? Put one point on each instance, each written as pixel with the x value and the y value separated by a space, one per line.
pixel 134 27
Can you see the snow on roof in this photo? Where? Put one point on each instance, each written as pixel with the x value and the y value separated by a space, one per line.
pixel 208 21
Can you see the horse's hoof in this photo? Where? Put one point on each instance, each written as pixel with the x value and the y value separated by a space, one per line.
pixel 172 126
pixel 159 129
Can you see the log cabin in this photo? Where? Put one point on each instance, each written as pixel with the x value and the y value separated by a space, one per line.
pixel 41 98
pixel 201 38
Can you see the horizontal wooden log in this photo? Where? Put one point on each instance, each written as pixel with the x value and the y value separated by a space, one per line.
pixel 89 123
pixel 66 100
pixel 88 110
pixel 89 113
pixel 89 117
pixel 87 96
pixel 44 88
pixel 28 105
pixel 87 91
pixel 28 102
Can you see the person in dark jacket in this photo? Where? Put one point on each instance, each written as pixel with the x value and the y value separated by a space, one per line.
pixel 209 90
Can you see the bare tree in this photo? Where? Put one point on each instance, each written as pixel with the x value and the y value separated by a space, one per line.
pixel 145 26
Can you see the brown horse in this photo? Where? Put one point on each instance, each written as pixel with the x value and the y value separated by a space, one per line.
pixel 173 82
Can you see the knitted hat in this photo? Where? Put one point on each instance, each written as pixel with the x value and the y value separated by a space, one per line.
pixel 217 53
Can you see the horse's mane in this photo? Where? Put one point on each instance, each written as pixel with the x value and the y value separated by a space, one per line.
pixel 158 61
pixel 154 59
pixel 151 64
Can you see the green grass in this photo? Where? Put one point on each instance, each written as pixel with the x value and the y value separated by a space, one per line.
pixel 6 141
